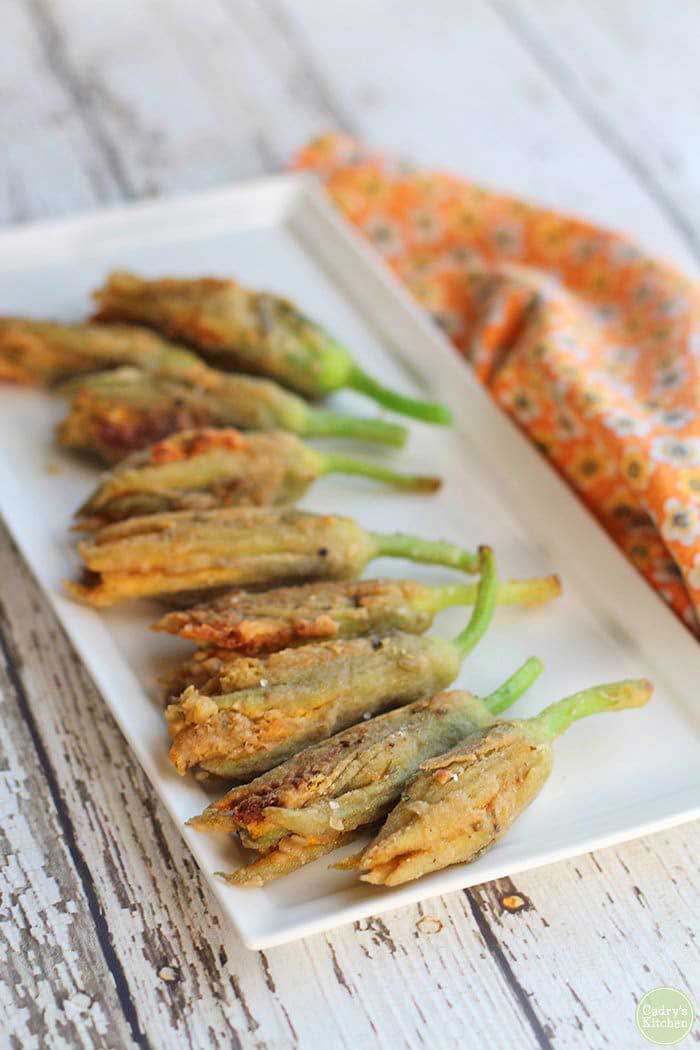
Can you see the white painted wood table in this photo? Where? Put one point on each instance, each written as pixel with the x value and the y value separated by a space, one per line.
pixel 109 937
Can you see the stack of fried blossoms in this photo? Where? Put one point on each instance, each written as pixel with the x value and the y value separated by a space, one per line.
pixel 321 696
pixel 452 804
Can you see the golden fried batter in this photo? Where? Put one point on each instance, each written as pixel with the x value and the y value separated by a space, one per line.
pixel 115 413
pixel 286 616
pixel 251 713
pixel 44 352
pixel 192 551
pixel 335 787
pixel 195 550
pixel 251 331
pixel 207 468
pixel 462 802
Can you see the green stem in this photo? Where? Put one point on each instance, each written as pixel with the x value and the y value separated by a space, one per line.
pixel 319 423
pixel 617 696
pixel 428 411
pixel 484 606
pixel 534 591
pixel 515 686
pixel 336 462
pixel 431 552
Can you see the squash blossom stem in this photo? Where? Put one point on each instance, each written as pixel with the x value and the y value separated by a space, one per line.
pixel 319 423
pixel 484 606
pixel 533 591
pixel 427 411
pixel 431 552
pixel 514 687
pixel 336 463
pixel 618 696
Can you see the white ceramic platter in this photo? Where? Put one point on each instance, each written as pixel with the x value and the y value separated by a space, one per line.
pixel 614 778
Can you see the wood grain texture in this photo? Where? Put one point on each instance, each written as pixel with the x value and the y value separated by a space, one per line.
pixel 460 85
pixel 43 131
pixel 631 72
pixel 109 936
pixel 53 973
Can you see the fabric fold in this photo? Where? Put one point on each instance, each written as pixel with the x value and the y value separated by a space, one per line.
pixel 591 345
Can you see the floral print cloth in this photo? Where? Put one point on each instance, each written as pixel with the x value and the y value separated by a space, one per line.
pixel 590 344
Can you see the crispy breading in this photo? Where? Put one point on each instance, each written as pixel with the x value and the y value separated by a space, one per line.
pixel 208 468
pixel 192 551
pixel 276 619
pixel 462 802
pixel 459 806
pixel 202 670
pixel 114 413
pixel 251 331
pixel 350 781
pixel 252 713
pixel 201 470
pixel 306 693
pixel 364 768
pixel 44 352
pixel 288 855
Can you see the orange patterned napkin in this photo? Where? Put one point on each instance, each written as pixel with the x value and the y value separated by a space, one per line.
pixel 591 345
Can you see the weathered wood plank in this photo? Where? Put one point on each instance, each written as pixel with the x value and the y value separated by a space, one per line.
pixel 428 82
pixel 55 984
pixel 175 116
pixel 50 162
pixel 630 69
pixel 451 85
pixel 599 931
pixel 226 95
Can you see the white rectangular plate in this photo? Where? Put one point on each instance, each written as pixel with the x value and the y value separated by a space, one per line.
pixel 614 779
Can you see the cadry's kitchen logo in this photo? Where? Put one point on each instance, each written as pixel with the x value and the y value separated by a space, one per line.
pixel 665 1016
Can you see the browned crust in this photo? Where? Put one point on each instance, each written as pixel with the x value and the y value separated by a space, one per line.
pixel 126 297
pixel 286 616
pixel 113 429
